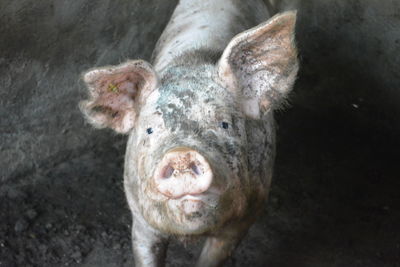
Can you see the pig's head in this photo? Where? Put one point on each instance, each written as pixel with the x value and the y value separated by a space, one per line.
pixel 187 161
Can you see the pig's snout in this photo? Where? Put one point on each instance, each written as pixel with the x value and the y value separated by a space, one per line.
pixel 183 172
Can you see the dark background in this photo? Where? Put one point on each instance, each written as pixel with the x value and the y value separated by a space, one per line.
pixel 335 196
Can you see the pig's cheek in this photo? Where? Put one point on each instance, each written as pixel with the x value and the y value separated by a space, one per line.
pixel 151 192
pixel 146 168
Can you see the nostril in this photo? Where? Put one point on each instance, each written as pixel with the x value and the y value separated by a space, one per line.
pixel 194 168
pixel 167 172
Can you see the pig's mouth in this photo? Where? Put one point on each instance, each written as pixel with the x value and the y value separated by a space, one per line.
pixel 210 195
pixel 192 214
pixel 194 203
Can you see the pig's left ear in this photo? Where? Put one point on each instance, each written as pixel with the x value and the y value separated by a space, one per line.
pixel 117 93
pixel 261 64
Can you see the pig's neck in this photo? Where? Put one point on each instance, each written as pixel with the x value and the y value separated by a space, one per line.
pixel 205 25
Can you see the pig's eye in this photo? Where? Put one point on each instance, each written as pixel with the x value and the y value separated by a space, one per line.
pixel 225 125
pixel 149 130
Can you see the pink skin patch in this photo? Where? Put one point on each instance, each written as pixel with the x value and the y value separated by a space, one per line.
pixel 118 91
pixel 183 172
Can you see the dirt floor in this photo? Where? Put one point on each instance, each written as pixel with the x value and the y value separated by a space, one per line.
pixel 335 198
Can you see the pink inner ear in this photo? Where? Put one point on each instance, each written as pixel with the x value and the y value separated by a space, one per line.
pixel 116 93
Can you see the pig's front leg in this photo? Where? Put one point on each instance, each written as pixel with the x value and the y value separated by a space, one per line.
pixel 149 247
pixel 218 248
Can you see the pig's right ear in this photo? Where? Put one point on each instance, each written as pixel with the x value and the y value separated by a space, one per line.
pixel 116 94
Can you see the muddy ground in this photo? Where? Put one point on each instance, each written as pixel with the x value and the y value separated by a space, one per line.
pixel 335 197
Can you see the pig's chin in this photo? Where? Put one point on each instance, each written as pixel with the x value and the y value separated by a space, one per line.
pixel 193 214
pixel 186 215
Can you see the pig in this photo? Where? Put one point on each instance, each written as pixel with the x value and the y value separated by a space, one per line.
pixel 201 144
